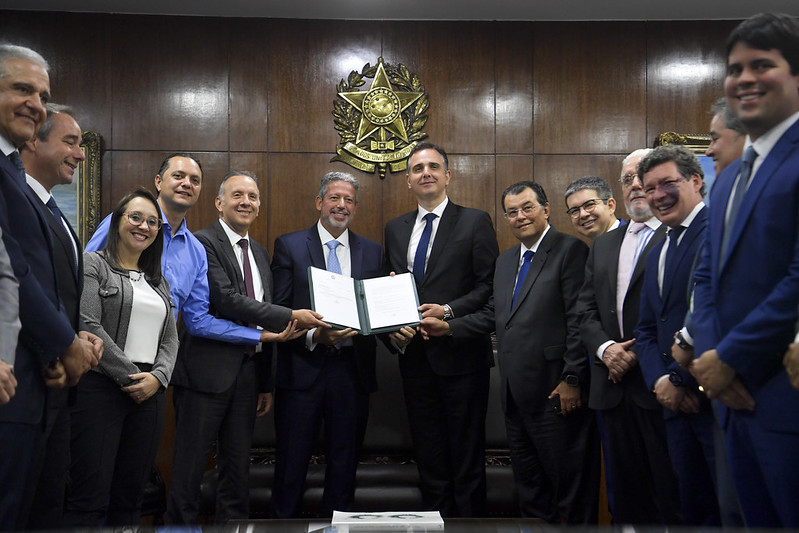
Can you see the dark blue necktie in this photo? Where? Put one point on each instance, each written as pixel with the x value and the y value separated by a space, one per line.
pixel 738 196
pixel 54 208
pixel 16 160
pixel 671 254
pixel 421 250
pixel 528 258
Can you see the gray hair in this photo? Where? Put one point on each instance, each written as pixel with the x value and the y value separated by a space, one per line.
pixel 595 183
pixel 52 111
pixel 335 175
pixel 230 175
pixel 730 119
pixel 13 51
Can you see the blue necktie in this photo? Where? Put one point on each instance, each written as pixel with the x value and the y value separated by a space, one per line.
pixel 332 259
pixel 16 160
pixel 421 250
pixel 528 258
pixel 671 254
pixel 54 208
pixel 738 196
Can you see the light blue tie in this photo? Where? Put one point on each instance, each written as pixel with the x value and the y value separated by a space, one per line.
pixel 332 259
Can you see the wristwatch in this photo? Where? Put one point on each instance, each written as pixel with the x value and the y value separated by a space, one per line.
pixel 682 343
pixel 447 311
pixel 571 380
pixel 675 378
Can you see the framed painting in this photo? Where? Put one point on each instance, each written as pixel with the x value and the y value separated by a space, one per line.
pixel 80 200
pixel 698 144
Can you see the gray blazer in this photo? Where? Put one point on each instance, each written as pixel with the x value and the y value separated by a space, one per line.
pixel 9 310
pixel 105 307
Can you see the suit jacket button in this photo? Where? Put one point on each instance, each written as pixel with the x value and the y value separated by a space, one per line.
pixel 507 326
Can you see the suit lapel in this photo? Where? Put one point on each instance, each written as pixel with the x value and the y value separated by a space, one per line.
pixel 507 265
pixel 536 266
pixel 765 173
pixel 616 238
pixel 446 225
pixel 315 249
pixel 61 237
pixel 658 236
pixel 356 256
pixel 691 234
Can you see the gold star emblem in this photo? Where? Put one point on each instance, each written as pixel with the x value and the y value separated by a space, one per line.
pixel 381 107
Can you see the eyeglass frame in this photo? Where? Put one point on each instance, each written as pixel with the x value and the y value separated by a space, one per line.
pixel 628 179
pixel 528 209
pixel 574 212
pixel 132 214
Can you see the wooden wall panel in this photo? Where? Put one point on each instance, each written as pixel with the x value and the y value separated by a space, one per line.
pixel 684 76
pixel 306 60
pixel 248 92
pixel 455 62
pixel 170 82
pixel 555 172
pixel 514 88
pixel 589 87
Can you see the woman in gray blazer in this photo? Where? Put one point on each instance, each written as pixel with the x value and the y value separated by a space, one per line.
pixel 118 415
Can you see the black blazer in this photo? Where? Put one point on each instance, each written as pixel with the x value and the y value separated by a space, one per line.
pixel 599 322
pixel 298 368
pixel 209 365
pixel 46 331
pixel 460 271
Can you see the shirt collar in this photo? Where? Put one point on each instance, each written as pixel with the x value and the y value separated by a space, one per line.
pixel 38 188
pixel 536 244
pixel 6 146
pixel 325 236
pixel 692 215
pixel 766 142
pixel 653 223
pixel 232 236
pixel 438 210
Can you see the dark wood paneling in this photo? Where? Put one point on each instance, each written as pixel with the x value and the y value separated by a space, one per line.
pixel 684 76
pixel 249 113
pixel 170 83
pixel 555 172
pixel 514 82
pixel 455 62
pixel 306 60
pixel 589 87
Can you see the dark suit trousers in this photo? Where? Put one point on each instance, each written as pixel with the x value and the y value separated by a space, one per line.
pixel 114 443
pixel 447 416
pixel 555 462
pixel 644 483
pixel 336 399
pixel 48 482
pixel 692 453
pixel 227 417
pixel 17 449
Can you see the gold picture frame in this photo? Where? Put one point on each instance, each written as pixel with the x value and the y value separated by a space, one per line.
pixel 697 143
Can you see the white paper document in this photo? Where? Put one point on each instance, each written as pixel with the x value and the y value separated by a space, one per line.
pixel 334 298
pixel 391 300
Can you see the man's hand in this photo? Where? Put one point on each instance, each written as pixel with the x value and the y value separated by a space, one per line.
pixel 619 359
pixel 8 383
pixel 736 396
pixel 264 403
pixel 331 337
pixel 672 397
pixel 145 387
pixel 289 333
pixel 433 327
pixel 432 311
pixel 403 337
pixel 682 356
pixel 95 341
pixel 307 319
pixel 720 381
pixel 79 358
pixel 791 362
pixel 55 375
pixel 569 398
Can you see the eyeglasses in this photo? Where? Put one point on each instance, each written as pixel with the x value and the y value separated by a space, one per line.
pixel 628 179
pixel 588 206
pixel 528 209
pixel 137 218
pixel 666 185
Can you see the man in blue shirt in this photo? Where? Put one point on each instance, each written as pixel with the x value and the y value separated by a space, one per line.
pixel 184 262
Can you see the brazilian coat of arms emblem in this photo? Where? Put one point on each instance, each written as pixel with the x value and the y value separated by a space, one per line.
pixel 379 127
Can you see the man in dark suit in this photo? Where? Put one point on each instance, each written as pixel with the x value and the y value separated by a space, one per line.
pixel 553 440
pixel 747 285
pixel 642 482
pixel 672 180
pixel 327 375
pixel 51 159
pixel 46 333
pixel 451 251
pixel 220 387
